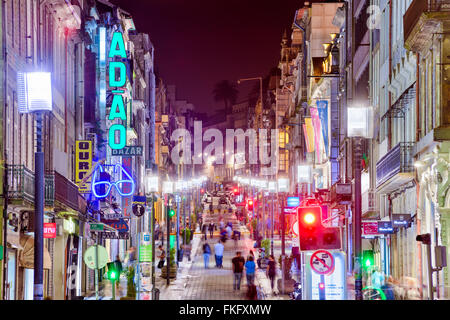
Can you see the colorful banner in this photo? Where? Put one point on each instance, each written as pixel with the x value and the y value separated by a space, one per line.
pixel 316 124
pixel 309 134
pixel 322 108
pixel 83 165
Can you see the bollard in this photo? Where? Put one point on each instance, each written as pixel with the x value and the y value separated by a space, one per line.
pixel 156 294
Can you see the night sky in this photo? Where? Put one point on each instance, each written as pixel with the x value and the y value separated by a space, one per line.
pixel 199 43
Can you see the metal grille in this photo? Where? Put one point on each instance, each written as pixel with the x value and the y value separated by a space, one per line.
pixel 398 160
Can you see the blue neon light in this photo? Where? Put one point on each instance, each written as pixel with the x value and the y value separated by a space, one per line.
pixel 95 182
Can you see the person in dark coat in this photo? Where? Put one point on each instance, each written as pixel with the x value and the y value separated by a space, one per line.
pixel 205 231
pixel 211 230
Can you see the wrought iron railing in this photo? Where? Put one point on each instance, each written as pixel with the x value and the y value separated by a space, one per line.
pixel 397 160
pixel 21 184
pixel 66 191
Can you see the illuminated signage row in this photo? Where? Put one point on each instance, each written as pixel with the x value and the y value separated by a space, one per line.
pixel 117 80
pixel 83 165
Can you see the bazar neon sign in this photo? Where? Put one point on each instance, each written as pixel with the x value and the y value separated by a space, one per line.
pixel 117 79
pixel 96 182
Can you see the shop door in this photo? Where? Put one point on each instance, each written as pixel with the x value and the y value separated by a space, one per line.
pixel 11 277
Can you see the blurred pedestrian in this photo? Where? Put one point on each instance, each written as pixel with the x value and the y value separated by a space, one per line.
pixel 250 270
pixel 205 231
pixel 161 256
pixel 218 253
pixel 271 270
pixel 206 253
pixel 238 267
pixel 388 288
pixel 211 230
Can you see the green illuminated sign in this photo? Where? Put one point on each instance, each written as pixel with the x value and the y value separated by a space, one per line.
pixel 172 241
pixel 117 79
pixel 145 253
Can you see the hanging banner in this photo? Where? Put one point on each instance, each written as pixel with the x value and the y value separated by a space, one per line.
pixel 317 135
pixel 83 165
pixel 322 108
pixel 127 201
pixel 309 134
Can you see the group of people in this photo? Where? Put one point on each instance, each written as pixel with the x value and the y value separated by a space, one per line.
pixel 218 253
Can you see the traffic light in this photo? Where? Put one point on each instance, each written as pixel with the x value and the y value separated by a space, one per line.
pixel 202 190
pixel 368 260
pixel 113 271
pixel 250 204
pixel 171 213
pixel 236 191
pixel 313 235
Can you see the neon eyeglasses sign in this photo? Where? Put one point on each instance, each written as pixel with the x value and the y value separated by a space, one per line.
pixel 118 111
pixel 96 182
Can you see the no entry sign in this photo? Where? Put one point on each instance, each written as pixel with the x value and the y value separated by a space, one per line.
pixel 322 262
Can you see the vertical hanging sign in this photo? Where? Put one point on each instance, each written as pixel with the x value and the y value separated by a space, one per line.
pixel 117 134
pixel 83 165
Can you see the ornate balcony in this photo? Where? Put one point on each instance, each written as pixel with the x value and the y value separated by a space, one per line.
pixel 368 204
pixel 21 186
pixel 66 193
pixel 395 168
pixel 422 20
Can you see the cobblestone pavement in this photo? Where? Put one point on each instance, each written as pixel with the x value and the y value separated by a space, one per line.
pixel 214 283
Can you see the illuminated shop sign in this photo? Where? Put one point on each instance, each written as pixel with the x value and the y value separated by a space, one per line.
pixel 117 133
pixel 83 165
pixel 101 187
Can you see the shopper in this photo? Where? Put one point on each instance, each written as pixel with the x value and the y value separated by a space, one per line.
pixel 211 230
pixel 161 256
pixel 271 270
pixel 206 253
pixel 250 270
pixel 218 253
pixel 238 267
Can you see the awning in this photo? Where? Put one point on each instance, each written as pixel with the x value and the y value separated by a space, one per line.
pixel 26 256
pixel 13 240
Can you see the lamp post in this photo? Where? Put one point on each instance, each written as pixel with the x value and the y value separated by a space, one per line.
pixel 283 186
pixel 272 190
pixel 168 190
pixel 35 95
pixel 358 127
pixel 152 187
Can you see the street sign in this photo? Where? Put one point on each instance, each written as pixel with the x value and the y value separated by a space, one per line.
pixel 322 262
pixel 145 253
pixel 49 230
pixel 140 200
pixel 129 151
pixel 292 202
pixel 113 216
pixel 90 254
pixel 385 227
pixel 96 226
pixel 120 224
pixel 401 220
pixel 295 228
pixel 114 235
pixel 370 228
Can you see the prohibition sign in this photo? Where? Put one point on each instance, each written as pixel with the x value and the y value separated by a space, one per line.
pixel 322 262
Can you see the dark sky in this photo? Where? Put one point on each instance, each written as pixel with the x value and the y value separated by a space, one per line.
pixel 198 43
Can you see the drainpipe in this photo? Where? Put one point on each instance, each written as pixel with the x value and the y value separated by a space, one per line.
pixel 418 129
pixel 390 75
pixel 66 34
pixel 5 170
pixel 304 50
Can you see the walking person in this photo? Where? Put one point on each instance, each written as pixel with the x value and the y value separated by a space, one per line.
pixel 250 270
pixel 211 230
pixel 206 254
pixel 118 264
pixel 271 270
pixel 205 231
pixel 162 256
pixel 218 253
pixel 238 267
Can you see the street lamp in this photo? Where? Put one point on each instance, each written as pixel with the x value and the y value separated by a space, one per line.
pixel 168 190
pixel 34 94
pixel 152 187
pixel 283 186
pixel 359 127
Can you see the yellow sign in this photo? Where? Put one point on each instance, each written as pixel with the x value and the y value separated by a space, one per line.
pixel 83 165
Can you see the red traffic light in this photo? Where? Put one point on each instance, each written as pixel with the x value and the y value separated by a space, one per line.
pixel 321 285
pixel 309 218
pixel 250 204
pixel 202 190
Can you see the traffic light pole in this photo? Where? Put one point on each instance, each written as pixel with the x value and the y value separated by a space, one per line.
pixel 283 239
pixel 357 217
pixel 113 283
pixel 152 224
pixel 272 225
